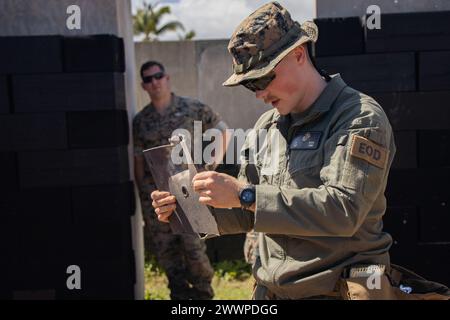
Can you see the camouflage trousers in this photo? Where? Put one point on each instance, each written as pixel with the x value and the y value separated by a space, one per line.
pixel 183 258
pixel 251 247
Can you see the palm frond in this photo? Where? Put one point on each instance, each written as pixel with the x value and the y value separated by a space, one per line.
pixel 148 18
pixel 170 26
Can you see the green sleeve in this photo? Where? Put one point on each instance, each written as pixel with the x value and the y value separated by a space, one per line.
pixel 336 208
pixel 232 221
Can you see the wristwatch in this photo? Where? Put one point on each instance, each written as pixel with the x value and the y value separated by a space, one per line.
pixel 247 196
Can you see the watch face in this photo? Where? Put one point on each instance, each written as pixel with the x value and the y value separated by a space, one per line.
pixel 248 196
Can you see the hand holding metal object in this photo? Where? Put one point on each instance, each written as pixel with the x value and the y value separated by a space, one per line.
pixel 190 215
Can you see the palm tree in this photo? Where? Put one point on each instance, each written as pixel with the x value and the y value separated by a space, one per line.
pixel 189 35
pixel 147 20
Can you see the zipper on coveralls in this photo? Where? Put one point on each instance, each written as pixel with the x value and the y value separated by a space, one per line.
pixel 282 180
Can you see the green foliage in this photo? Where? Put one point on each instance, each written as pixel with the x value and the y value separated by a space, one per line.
pixel 187 36
pixel 147 21
pixel 232 280
pixel 233 269
pixel 161 294
pixel 151 266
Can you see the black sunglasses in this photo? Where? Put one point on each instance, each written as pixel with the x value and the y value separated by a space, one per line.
pixel 157 76
pixel 260 83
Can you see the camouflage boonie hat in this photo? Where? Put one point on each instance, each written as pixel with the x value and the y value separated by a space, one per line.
pixel 263 39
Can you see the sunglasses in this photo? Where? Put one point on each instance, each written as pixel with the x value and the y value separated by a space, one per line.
pixel 157 76
pixel 260 83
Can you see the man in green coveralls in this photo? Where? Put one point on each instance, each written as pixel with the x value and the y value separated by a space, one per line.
pixel 319 209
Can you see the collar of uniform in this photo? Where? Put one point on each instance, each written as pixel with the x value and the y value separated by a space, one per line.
pixel 325 100
pixel 170 108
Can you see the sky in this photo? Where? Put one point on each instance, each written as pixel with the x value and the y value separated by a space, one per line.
pixel 217 19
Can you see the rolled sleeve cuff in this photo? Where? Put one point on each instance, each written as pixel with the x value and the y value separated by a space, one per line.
pixel 266 208
pixel 233 221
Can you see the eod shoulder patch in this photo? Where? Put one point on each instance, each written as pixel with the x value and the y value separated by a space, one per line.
pixel 369 151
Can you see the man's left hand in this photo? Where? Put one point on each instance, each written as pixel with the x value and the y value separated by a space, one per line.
pixel 217 189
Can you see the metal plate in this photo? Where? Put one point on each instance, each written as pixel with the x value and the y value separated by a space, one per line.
pixel 199 216
pixel 190 216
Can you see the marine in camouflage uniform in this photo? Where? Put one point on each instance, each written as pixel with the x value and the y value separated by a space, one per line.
pixel 251 247
pixel 183 256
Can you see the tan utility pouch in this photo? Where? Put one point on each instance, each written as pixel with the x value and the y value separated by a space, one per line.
pixel 391 284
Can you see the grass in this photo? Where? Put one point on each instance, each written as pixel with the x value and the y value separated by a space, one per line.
pixel 232 281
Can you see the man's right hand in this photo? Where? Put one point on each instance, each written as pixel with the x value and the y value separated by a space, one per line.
pixel 164 204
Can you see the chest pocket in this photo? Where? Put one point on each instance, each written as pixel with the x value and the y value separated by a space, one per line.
pixel 303 168
pixel 182 123
pixel 152 138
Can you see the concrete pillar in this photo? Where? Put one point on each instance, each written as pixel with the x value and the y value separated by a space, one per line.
pixel 125 31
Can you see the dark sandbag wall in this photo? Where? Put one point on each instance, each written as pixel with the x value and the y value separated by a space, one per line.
pixel 66 197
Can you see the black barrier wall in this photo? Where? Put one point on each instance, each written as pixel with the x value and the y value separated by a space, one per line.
pixel 66 197
pixel 405 66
